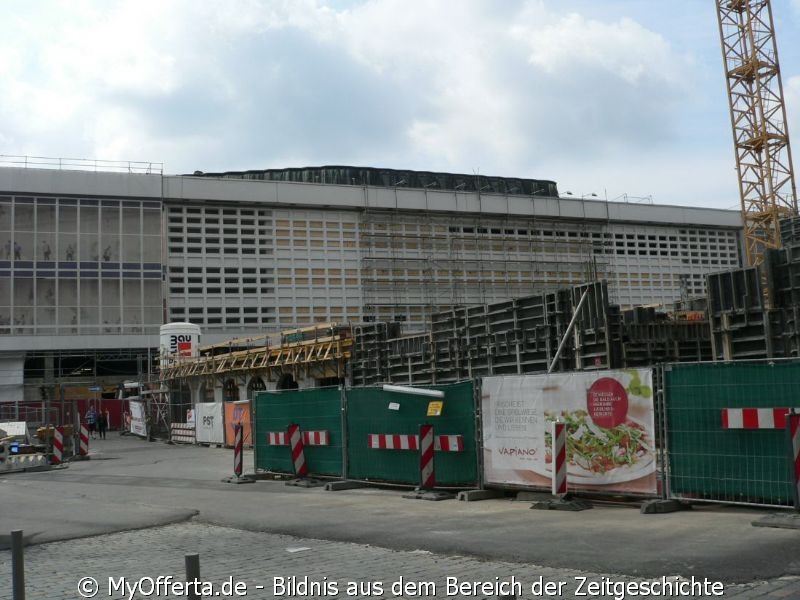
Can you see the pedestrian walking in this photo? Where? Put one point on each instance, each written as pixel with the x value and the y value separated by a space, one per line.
pixel 91 421
pixel 102 424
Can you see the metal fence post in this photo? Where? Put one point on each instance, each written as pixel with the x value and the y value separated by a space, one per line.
pixel 663 430
pixel 17 565
pixel 254 429
pixel 477 394
pixel 193 575
pixel 793 436
pixel 343 396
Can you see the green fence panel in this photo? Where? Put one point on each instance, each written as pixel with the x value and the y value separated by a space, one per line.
pixel 731 465
pixel 368 412
pixel 313 410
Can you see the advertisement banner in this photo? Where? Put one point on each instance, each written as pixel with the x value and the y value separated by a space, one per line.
pixel 209 428
pixel 610 421
pixel 237 412
pixel 138 423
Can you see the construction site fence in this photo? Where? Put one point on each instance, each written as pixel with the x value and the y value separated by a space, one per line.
pixel 612 435
pixel 313 410
pixel 724 431
pixel 371 411
pixel 695 432
pixel 370 434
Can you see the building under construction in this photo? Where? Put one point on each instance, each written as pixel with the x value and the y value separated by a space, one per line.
pixel 96 261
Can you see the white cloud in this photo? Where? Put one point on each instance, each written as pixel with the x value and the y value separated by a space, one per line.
pixel 513 88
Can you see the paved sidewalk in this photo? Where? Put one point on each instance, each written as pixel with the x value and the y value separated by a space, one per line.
pixel 251 559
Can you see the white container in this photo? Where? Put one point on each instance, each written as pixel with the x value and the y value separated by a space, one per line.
pixel 178 340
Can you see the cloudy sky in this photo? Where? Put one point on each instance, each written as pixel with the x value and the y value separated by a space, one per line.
pixel 609 97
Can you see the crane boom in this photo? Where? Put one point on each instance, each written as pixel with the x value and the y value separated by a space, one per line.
pixel 758 117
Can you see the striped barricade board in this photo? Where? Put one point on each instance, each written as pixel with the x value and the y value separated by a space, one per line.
pixel 755 418
pixel 182 433
pixel 394 441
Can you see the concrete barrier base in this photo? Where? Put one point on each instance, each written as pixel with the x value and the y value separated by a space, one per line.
pixel 529 496
pixel 305 482
pixel 419 494
pixel 238 480
pixel 657 507
pixel 572 504
pixel 337 486
pixel 475 495
pixel 787 520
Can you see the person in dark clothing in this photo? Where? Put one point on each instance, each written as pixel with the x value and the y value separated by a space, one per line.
pixel 91 421
pixel 102 424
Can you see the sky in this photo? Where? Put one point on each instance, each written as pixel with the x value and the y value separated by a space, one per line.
pixel 624 99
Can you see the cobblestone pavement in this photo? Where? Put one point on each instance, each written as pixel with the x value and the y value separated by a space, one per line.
pixel 322 569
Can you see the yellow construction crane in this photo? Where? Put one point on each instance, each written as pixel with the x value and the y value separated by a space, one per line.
pixel 758 117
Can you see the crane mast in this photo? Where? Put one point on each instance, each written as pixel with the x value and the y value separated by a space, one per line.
pixel 758 117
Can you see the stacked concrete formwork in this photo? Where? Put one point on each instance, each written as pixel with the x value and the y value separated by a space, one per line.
pixel 742 325
pixel 784 276
pixel 523 336
pixel 755 311
pixel 650 337
pixel 368 364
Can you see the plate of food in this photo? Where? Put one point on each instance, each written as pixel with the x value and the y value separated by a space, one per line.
pixel 599 455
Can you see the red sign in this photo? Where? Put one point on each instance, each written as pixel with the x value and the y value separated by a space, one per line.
pixel 185 348
pixel 607 402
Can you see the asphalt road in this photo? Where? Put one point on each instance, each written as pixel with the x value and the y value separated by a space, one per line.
pixel 132 484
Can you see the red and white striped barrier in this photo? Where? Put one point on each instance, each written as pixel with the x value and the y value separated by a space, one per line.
pixel 310 438
pixel 182 433
pixel 58 445
pixel 237 449
pixel 388 441
pixel 559 453
pixel 793 425
pixel 83 448
pixel 426 470
pixel 754 418
pixel 394 441
pixel 448 443
pixel 298 456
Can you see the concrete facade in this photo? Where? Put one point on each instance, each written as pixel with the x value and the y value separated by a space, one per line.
pixel 98 260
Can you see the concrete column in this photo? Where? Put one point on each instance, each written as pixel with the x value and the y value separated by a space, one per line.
pixel 305 383
pixel 196 390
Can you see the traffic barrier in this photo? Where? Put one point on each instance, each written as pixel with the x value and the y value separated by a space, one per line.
pixel 298 440
pixel 22 462
pixel 237 449
pixel 58 446
pixel 754 418
pixel 793 425
pixel 298 458
pixel 83 448
pixel 238 456
pixel 426 468
pixel 559 453
pixel 310 438
pixel 395 441
pixel 181 433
